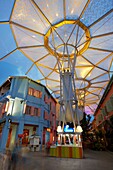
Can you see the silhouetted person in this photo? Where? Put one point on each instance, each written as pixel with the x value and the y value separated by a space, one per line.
pixel 14 158
pixel 48 147
pixel 7 160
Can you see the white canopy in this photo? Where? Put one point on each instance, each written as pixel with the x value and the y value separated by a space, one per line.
pixel 34 31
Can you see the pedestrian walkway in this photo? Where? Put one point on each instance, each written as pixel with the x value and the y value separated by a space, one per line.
pixel 93 160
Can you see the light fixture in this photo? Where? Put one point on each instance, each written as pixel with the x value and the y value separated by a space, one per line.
pixel 34 20
pixel 59 129
pixel 9 120
pixel 72 11
pixel 56 14
pixel 79 129
pixel 33 36
pixel 9 96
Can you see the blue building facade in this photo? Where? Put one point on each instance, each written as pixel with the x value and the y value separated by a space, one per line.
pixel 26 108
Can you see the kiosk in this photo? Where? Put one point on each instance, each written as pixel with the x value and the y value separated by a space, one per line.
pixel 69 146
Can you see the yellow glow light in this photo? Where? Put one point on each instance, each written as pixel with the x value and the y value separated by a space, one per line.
pixel 72 11
pixel 34 20
pixel 33 36
pixel 79 129
pixel 59 129
pixel 56 14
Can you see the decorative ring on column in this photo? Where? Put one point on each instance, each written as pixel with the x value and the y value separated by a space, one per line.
pixel 55 47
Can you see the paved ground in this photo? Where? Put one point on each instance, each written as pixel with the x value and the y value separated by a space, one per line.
pixel 93 160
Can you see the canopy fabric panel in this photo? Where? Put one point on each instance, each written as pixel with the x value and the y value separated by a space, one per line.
pixel 45 34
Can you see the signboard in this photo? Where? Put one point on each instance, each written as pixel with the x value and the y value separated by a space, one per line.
pixel 34 140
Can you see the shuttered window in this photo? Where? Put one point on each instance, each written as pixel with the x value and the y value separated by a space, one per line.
pixel 34 92
pixel 36 112
pixel 28 110
pixel 46 115
pixel 30 91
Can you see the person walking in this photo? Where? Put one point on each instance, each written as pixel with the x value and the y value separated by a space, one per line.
pixel 14 158
pixel 6 163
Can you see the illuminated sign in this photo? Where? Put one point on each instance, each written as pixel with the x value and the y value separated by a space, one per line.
pixel 68 129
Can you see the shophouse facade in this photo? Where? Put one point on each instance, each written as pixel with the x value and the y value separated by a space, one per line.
pixel 103 120
pixel 26 108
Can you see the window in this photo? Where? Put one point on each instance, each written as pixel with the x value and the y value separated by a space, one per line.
pixel 28 110
pixel 45 99
pixel 51 117
pixel 30 91
pixel 2 109
pixel 35 93
pixel 37 112
pixel 46 115
pixel 40 94
pixel 50 106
